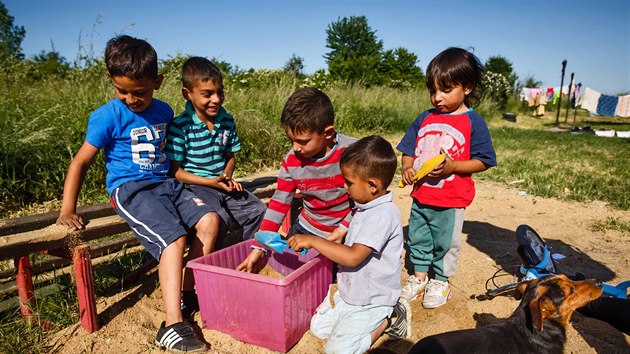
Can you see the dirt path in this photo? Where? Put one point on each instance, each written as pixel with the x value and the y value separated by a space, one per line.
pixel 130 319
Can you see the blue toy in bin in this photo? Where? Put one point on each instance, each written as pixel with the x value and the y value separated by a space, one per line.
pixel 275 242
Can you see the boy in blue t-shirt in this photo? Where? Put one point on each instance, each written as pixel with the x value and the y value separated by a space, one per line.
pixel 160 211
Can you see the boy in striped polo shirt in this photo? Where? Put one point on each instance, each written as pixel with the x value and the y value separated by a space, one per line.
pixel 312 166
pixel 201 143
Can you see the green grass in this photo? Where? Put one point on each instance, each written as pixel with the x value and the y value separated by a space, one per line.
pixel 39 139
pixel 572 167
pixel 42 125
pixel 612 223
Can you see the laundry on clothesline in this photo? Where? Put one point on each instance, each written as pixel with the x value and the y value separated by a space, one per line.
pixel 551 94
pixel 605 105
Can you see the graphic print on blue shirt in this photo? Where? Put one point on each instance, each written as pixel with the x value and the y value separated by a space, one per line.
pixel 143 151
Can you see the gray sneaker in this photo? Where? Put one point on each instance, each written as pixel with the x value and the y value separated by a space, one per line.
pixel 436 294
pixel 399 322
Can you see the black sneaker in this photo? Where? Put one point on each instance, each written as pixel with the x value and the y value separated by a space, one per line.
pixel 189 304
pixel 179 338
pixel 399 322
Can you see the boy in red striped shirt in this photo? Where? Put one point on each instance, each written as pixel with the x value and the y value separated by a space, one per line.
pixel 312 167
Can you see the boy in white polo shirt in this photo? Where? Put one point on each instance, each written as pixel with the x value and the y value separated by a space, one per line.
pixel 366 305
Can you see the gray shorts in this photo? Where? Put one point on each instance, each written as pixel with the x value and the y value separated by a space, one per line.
pixel 158 212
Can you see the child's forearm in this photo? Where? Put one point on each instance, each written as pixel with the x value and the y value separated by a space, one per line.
pixel 468 167
pixel 339 253
pixel 76 175
pixel 407 162
pixel 191 178
pixel 230 164
pixel 72 187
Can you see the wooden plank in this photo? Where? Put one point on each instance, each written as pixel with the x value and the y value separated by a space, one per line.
pixel 97 250
pixel 33 222
pixel 54 236
pixel 45 291
pixel 262 187
pixel 11 287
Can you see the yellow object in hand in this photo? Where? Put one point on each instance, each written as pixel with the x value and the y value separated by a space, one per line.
pixel 427 166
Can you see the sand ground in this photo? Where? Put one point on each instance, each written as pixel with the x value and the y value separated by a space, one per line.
pixel 130 319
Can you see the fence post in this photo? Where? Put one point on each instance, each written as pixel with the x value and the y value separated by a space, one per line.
pixel 564 65
pixel 85 287
pixel 566 117
pixel 24 284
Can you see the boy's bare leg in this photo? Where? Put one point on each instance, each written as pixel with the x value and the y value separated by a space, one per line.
pixel 207 231
pixel 170 274
pixel 420 275
pixel 378 331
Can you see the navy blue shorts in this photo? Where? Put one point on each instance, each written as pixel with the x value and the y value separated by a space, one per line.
pixel 243 208
pixel 158 212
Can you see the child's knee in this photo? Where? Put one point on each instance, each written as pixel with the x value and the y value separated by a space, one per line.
pixel 208 226
pixel 350 344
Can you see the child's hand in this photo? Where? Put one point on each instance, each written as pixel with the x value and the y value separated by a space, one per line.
pixel 236 186
pixel 300 241
pixel 445 168
pixel 72 221
pixel 229 185
pixel 253 263
pixel 407 176
pixel 224 182
pixel 337 235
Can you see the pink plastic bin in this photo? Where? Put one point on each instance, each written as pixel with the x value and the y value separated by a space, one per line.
pixel 268 312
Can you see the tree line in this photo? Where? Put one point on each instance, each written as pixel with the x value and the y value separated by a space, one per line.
pixel 355 56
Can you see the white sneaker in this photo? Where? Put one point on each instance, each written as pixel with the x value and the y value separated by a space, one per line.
pixel 413 288
pixel 436 294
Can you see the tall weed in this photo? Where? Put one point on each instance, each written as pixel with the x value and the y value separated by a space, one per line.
pixel 43 124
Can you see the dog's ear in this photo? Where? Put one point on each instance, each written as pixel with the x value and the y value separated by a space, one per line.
pixel 520 289
pixel 541 309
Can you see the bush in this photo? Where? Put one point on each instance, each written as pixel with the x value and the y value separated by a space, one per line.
pixel 497 88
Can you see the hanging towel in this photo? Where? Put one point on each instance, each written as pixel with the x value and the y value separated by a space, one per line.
pixel 556 95
pixel 623 106
pixel 524 96
pixel 533 94
pixel 549 94
pixel 607 105
pixel 576 95
pixel 590 99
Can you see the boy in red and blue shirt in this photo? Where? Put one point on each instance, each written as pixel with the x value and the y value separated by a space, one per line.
pixel 312 167
pixel 440 199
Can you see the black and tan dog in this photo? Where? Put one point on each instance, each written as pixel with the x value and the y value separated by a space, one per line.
pixel 537 326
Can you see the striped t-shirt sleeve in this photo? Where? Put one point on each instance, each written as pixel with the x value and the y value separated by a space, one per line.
pixel 175 142
pixel 234 143
pixel 280 202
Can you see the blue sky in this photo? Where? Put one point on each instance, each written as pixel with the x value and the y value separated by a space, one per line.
pixel 593 36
